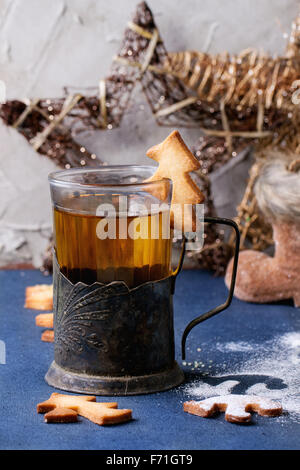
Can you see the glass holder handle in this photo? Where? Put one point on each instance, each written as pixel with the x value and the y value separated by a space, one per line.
pixel 226 304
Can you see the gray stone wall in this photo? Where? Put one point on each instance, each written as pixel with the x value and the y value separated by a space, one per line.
pixel 47 44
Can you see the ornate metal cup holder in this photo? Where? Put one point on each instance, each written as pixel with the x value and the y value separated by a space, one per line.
pixel 112 340
pixel 105 385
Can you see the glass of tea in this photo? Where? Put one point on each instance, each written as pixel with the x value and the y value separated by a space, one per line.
pixel 113 282
pixel 111 225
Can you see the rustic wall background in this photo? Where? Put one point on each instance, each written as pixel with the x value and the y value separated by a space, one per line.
pixel 47 44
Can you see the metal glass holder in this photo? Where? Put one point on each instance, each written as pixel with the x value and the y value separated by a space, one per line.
pixel 112 340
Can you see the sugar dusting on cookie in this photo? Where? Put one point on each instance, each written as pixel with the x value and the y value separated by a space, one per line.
pixel 278 359
pixel 237 408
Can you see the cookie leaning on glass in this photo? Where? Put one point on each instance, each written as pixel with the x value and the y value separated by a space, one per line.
pixel 176 161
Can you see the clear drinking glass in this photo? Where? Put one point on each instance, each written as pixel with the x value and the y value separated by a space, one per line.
pixel 110 224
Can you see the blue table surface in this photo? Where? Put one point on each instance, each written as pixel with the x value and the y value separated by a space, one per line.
pixel 159 421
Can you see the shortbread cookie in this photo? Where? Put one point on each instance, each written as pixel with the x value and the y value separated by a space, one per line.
pixel 237 408
pixel 61 415
pixel 39 297
pixel 99 413
pixel 48 336
pixel 44 320
pixel 176 161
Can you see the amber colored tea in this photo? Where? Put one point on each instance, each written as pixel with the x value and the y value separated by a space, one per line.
pixel 83 256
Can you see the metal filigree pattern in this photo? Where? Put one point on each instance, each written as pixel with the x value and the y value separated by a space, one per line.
pixel 82 308
pixel 109 329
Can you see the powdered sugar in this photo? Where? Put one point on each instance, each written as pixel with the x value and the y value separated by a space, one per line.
pixel 291 340
pixel 240 346
pixel 277 359
pixel 202 389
